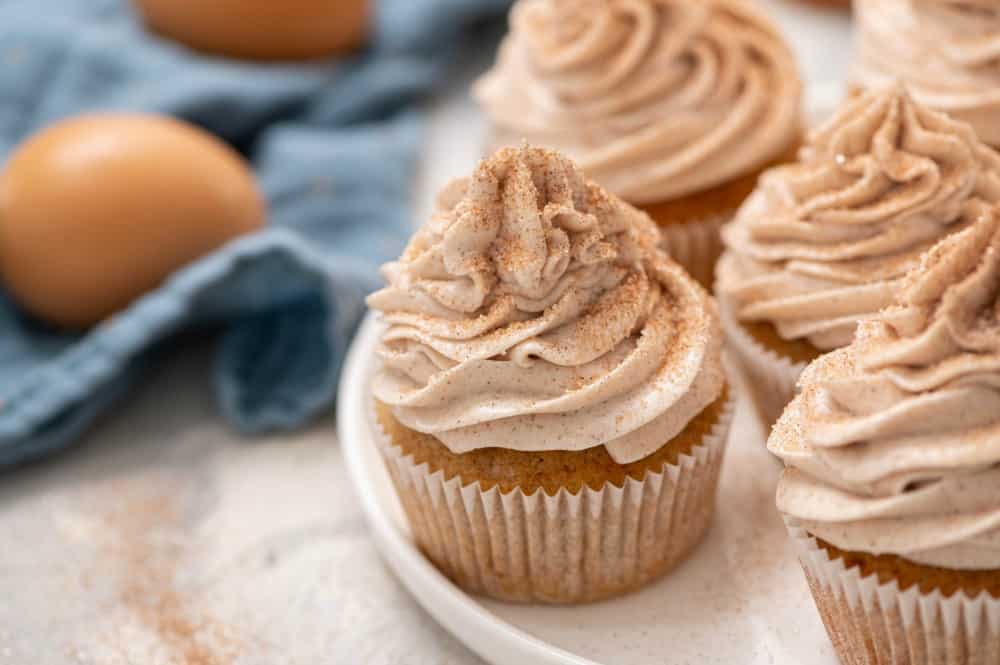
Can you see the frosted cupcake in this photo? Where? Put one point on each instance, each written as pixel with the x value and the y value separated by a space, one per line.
pixel 946 51
pixel 892 485
pixel 825 242
pixel 675 106
pixel 551 397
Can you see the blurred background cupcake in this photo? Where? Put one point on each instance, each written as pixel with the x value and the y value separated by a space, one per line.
pixel 946 51
pixel 893 454
pixel 825 242
pixel 549 381
pixel 675 106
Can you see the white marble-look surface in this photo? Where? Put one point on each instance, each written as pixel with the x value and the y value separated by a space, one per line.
pixel 164 539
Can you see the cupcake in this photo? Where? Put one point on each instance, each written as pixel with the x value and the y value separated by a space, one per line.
pixel 550 399
pixel 892 483
pixel 825 242
pixel 675 106
pixel 946 51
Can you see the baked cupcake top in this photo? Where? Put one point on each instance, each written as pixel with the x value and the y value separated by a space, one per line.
pixel 655 99
pixel 893 445
pixel 947 52
pixel 534 311
pixel 824 242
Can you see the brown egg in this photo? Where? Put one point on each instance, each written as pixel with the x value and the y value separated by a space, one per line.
pixel 99 209
pixel 261 29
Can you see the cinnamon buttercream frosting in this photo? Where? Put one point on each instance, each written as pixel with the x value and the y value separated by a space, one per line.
pixel 893 445
pixel 947 52
pixel 825 242
pixel 655 99
pixel 535 311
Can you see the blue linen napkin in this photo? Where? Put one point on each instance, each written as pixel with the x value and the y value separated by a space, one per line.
pixel 334 144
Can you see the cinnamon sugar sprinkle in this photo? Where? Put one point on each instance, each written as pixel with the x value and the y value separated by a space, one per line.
pixel 144 549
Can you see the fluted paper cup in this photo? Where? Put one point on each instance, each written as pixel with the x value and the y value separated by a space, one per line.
pixel 566 548
pixel 873 623
pixel 771 380
pixel 696 245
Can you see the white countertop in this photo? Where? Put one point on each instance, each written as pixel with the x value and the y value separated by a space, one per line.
pixel 164 538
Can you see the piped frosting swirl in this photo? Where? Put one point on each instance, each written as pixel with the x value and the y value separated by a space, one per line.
pixel 893 445
pixel 534 311
pixel 947 52
pixel 655 99
pixel 825 242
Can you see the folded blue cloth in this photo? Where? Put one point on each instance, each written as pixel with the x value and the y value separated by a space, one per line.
pixel 334 145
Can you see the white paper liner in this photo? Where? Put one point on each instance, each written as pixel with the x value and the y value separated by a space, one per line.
pixel 565 548
pixel 770 379
pixel 696 245
pixel 877 624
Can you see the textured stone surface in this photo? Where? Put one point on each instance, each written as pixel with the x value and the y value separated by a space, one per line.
pixel 165 539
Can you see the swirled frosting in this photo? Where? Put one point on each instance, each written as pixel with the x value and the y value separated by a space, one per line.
pixel 947 52
pixel 893 445
pixel 534 311
pixel 824 242
pixel 655 99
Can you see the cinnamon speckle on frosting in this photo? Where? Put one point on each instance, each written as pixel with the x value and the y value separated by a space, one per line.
pixel 535 311
pixel 825 242
pixel 893 443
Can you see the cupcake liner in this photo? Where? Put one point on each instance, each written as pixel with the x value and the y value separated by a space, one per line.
pixel 696 245
pixel 770 379
pixel 566 548
pixel 872 623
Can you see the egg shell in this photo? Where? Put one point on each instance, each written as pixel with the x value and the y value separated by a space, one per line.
pixel 97 210
pixel 261 29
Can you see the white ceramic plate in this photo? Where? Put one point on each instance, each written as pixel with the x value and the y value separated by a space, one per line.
pixel 739 599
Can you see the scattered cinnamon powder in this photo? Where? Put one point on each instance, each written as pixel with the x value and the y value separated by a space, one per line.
pixel 144 549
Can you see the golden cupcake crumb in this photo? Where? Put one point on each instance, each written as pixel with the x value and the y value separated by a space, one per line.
pixel 889 567
pixel 550 470
pixel 796 350
pixel 723 199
